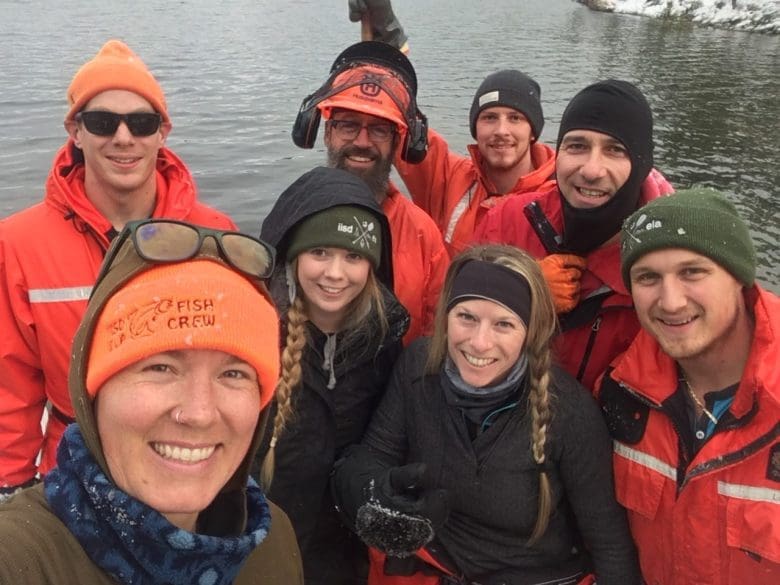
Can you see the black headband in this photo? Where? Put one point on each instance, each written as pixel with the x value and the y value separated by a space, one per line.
pixel 478 279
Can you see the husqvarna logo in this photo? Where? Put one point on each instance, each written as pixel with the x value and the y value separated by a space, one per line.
pixel 370 89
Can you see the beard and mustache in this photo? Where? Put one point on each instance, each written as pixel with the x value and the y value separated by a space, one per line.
pixel 377 176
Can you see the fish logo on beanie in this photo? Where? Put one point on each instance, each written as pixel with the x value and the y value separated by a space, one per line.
pixel 201 304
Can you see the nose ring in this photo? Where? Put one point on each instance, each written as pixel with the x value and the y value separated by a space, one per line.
pixel 178 416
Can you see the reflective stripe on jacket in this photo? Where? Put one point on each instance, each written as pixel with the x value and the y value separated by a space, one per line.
pixel 716 520
pixel 50 254
pixel 455 192
pixel 420 261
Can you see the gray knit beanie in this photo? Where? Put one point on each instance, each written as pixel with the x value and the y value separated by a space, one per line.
pixel 702 220
pixel 349 227
pixel 512 89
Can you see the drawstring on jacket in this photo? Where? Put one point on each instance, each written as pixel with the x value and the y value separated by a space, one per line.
pixel 329 351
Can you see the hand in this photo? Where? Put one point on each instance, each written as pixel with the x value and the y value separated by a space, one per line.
pixel 563 273
pixel 405 489
pixel 402 513
pixel 357 8
pixel 382 22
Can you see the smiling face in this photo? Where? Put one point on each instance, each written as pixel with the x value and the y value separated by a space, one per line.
pixel 330 279
pixel 590 168
pixel 178 467
pixel 121 165
pixel 504 139
pixel 368 158
pixel 687 302
pixel 484 340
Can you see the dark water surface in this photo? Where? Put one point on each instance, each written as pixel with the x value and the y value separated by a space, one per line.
pixel 234 73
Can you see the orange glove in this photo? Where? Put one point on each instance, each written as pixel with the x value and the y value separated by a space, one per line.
pixel 562 273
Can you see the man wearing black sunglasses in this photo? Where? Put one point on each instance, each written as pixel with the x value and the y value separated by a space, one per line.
pixel 114 168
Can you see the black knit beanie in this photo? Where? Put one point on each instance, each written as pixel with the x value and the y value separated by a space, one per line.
pixel 702 220
pixel 512 89
pixel 619 109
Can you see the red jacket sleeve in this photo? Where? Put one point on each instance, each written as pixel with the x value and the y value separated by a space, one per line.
pixel 427 182
pixel 22 394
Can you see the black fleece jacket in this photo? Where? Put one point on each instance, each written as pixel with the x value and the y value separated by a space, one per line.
pixel 493 480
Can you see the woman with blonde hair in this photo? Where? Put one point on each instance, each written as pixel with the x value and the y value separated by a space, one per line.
pixel 484 462
pixel 171 375
pixel 342 331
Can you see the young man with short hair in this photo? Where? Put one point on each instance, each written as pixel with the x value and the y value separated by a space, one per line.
pixel 114 168
pixel 457 191
pixel 693 405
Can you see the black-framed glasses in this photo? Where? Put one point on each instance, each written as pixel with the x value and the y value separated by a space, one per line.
pixel 349 130
pixel 102 123
pixel 167 240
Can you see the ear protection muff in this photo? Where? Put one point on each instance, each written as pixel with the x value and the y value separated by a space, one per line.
pixel 307 122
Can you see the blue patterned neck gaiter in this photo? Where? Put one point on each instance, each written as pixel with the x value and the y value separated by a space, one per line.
pixel 133 542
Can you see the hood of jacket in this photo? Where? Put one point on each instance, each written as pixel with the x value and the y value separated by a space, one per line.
pixel 227 513
pixel 176 189
pixel 312 193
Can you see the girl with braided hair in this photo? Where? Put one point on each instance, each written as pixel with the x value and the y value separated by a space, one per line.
pixel 341 334
pixel 485 463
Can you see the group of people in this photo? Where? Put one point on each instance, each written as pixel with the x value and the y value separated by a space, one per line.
pixel 543 366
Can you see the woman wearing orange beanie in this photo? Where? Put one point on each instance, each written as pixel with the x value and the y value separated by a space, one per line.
pixel 172 371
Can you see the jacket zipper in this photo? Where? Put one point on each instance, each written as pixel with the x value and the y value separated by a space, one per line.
pixel 594 330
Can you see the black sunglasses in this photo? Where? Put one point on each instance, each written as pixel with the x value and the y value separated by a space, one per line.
pixel 168 240
pixel 101 123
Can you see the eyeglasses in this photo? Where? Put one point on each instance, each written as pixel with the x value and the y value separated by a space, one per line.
pixel 349 130
pixel 167 240
pixel 102 123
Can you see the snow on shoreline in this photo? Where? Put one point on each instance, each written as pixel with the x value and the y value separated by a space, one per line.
pixel 749 15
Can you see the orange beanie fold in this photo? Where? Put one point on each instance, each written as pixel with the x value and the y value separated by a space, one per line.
pixel 115 66
pixel 200 304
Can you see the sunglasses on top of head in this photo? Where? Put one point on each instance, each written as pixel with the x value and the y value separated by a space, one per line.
pixel 102 123
pixel 166 240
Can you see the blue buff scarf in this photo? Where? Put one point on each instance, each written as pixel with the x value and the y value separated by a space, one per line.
pixel 133 542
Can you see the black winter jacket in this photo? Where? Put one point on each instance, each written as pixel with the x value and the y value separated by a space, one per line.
pixel 493 482
pixel 326 421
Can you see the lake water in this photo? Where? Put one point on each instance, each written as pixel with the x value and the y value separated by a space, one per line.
pixel 235 72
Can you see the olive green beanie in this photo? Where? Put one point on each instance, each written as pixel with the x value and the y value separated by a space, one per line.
pixel 699 219
pixel 349 227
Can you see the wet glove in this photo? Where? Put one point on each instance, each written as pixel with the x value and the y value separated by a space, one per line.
pixel 402 514
pixel 384 25
pixel 562 273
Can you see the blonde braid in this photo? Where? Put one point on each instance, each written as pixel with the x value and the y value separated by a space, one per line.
pixel 539 402
pixel 290 378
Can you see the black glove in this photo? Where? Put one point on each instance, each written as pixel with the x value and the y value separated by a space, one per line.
pixel 402 513
pixel 384 25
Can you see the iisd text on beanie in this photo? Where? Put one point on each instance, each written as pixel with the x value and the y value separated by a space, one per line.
pixel 115 66
pixel 349 227
pixel 512 89
pixel 200 304
pixel 701 220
